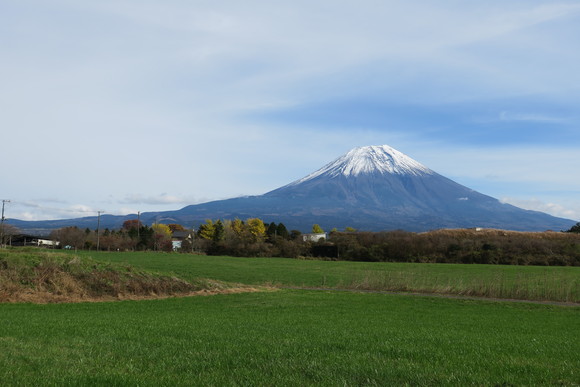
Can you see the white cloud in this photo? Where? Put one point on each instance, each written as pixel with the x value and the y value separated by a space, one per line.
pixel 161 199
pixel 106 98
pixel 555 209
pixel 531 117
pixel 545 166
pixel 47 209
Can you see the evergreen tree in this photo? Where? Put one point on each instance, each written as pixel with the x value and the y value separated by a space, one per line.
pixel 271 231
pixel 295 234
pixel 219 231
pixel 282 231
pixel 145 237
pixel 206 230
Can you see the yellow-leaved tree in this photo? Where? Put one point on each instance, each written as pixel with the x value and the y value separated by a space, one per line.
pixel 316 229
pixel 162 229
pixel 256 227
pixel 237 226
pixel 162 237
pixel 207 230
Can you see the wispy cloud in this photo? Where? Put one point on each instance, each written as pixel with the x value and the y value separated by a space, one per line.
pixel 37 210
pixel 204 101
pixel 542 206
pixel 531 117
pixel 161 199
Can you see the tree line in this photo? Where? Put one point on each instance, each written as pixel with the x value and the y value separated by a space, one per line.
pixel 250 238
pixel 459 246
pixel 255 238
pixel 133 235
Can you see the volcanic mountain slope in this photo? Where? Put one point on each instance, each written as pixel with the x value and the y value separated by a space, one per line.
pixel 377 188
pixel 369 188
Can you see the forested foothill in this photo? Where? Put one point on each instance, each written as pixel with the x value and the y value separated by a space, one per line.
pixel 254 238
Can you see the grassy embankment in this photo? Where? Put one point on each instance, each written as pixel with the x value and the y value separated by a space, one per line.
pixel 31 275
pixel 541 283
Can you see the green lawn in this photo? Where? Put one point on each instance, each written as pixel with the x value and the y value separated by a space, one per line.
pixel 522 282
pixel 290 337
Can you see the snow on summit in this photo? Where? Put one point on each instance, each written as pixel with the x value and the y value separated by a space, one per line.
pixel 371 159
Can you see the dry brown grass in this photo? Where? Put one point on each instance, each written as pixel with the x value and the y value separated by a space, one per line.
pixel 41 277
pixel 43 297
pixel 489 232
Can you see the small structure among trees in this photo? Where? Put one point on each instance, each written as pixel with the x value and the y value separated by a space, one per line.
pixel 316 235
pixel 31 240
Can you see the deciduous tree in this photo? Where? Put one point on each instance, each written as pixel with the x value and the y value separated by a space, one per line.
pixel 238 226
pixel 256 227
pixel 69 236
pixel 131 224
pixel 176 227
pixel 162 237
pixel 316 229
pixel 162 229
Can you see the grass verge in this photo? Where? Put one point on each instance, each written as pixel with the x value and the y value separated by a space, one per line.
pixel 44 277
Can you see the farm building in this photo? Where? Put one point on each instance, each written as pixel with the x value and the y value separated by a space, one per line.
pixel 314 237
pixel 178 237
pixel 30 240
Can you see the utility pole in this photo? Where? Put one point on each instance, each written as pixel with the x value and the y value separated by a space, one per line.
pixel 4 201
pixel 138 230
pixel 192 237
pixel 98 228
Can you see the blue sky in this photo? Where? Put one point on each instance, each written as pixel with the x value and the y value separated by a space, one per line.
pixel 124 106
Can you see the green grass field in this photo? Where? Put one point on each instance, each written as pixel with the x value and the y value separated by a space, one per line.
pixel 290 337
pixel 518 282
pixel 296 337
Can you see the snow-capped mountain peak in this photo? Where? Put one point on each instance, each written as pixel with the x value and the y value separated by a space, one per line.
pixel 371 159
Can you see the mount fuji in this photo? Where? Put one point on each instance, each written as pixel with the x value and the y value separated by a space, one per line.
pixel 369 188
pixel 376 188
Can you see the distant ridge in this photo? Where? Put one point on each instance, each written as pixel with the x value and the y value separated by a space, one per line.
pixel 369 188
